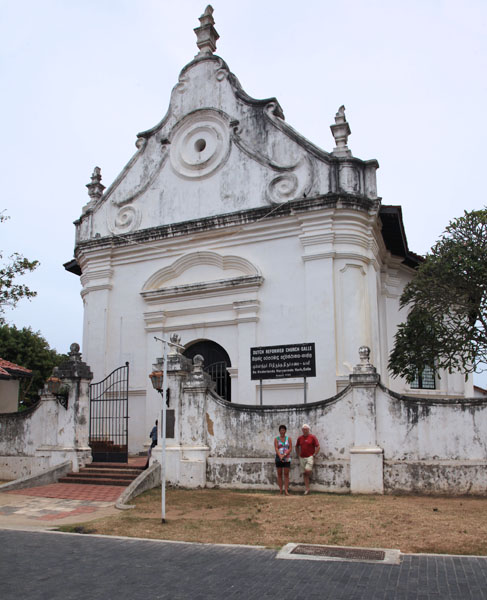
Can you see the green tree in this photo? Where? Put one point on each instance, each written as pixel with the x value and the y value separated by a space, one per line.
pixel 29 349
pixel 446 327
pixel 10 291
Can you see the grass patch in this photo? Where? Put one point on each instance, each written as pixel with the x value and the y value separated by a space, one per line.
pixel 411 523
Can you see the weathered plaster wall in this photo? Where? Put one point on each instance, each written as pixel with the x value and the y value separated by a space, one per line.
pixel 49 434
pixel 423 445
pixel 432 445
pixel 19 438
pixel 232 432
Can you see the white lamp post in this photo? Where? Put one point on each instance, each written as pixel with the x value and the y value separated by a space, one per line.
pixel 159 383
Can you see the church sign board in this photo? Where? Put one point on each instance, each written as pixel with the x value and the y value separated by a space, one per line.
pixel 280 362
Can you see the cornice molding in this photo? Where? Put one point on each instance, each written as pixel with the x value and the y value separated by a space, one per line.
pixel 194 259
pixel 338 255
pixel 203 289
pixel 95 288
pixel 245 217
pixel 94 275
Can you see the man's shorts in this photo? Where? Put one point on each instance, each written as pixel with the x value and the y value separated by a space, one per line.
pixel 306 464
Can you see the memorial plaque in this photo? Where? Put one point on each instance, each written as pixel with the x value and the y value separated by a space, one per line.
pixel 281 362
pixel 170 422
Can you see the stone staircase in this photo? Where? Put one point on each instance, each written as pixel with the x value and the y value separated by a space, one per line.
pixel 121 474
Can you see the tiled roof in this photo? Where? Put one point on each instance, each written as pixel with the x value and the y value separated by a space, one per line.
pixel 7 369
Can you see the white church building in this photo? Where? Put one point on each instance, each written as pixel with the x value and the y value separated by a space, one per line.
pixel 233 231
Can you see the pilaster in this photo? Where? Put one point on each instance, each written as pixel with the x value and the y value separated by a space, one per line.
pixel 366 458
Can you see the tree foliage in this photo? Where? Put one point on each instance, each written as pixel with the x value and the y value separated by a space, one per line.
pixel 10 291
pixel 446 327
pixel 29 349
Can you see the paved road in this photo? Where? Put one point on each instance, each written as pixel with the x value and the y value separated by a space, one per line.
pixel 52 566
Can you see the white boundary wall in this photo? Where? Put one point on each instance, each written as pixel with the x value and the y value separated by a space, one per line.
pixel 49 434
pixel 372 440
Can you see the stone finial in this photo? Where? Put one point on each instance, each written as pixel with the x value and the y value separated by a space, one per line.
pixel 364 353
pixel 174 347
pixel 364 374
pixel 74 367
pixel 198 362
pixel 198 373
pixel 341 130
pixel 198 377
pixel 364 367
pixel 95 188
pixel 206 34
pixel 74 353
pixel 175 338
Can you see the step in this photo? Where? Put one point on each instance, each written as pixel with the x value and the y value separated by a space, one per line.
pixel 119 476
pixel 100 472
pixel 94 481
pixel 112 465
pixel 103 473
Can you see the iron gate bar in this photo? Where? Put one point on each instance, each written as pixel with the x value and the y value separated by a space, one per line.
pixel 219 374
pixel 109 417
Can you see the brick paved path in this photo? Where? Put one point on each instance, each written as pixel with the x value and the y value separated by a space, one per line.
pixel 73 491
pixel 46 565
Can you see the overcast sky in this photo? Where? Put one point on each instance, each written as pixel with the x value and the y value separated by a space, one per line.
pixel 80 78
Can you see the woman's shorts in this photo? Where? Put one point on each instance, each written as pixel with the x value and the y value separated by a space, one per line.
pixel 306 464
pixel 283 464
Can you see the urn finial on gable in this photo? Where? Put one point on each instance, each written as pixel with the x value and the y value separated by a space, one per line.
pixel 206 34
pixel 341 130
pixel 95 188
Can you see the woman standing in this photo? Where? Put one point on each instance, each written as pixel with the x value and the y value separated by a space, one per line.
pixel 283 446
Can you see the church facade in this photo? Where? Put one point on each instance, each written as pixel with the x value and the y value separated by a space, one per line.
pixel 230 229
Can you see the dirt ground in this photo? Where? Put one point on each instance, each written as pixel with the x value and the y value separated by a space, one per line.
pixel 409 523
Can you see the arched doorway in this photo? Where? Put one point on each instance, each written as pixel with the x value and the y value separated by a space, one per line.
pixel 216 363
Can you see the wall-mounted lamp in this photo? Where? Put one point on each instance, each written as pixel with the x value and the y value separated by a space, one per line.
pixel 57 388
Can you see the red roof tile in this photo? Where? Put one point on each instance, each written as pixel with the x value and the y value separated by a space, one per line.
pixel 8 368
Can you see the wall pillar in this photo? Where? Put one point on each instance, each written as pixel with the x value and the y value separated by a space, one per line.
pixel 187 452
pixel 366 458
pixel 66 436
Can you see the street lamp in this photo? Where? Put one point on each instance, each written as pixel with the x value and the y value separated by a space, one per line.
pixel 159 383
pixel 157 378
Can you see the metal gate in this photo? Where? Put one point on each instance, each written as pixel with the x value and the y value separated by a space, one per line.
pixel 218 372
pixel 109 417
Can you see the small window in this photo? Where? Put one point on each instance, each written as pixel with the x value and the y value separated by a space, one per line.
pixel 424 380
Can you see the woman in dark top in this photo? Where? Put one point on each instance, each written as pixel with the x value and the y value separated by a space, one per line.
pixel 283 446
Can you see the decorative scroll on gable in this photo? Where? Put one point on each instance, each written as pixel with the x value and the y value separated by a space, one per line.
pixel 219 151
